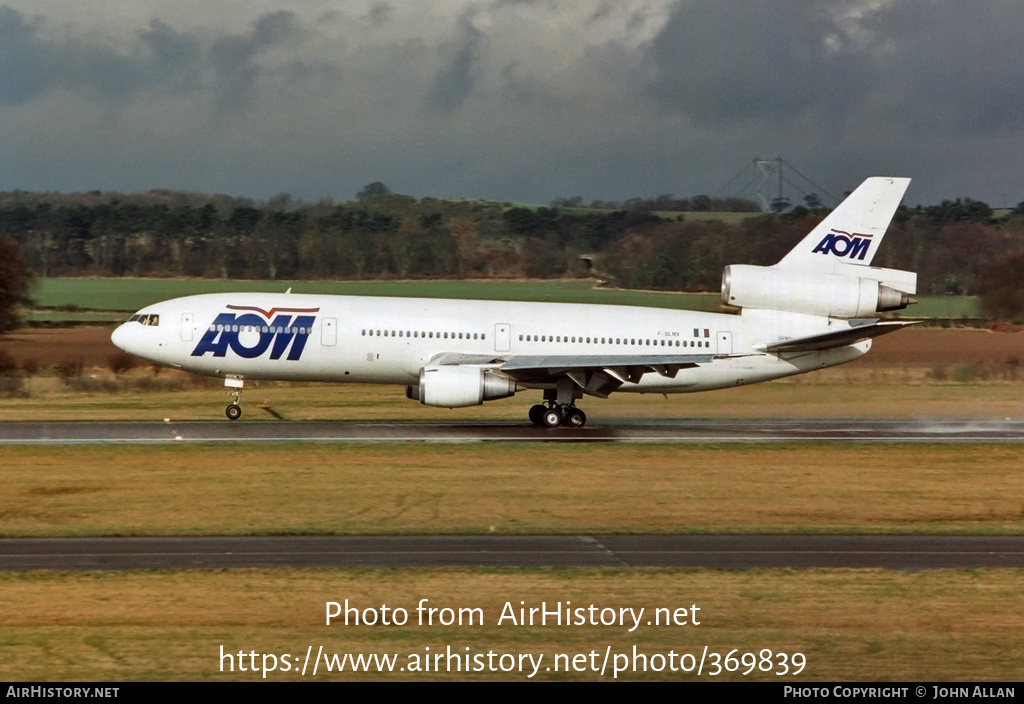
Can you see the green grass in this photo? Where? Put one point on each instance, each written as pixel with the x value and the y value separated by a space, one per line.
pixel 63 318
pixel 944 307
pixel 131 294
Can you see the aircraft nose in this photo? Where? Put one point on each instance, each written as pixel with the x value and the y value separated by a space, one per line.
pixel 121 337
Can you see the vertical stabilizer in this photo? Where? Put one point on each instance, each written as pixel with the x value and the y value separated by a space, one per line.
pixel 852 233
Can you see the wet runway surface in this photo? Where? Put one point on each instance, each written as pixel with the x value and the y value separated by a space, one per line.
pixel 626 431
pixel 712 551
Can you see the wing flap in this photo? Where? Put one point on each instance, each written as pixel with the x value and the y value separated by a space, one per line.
pixel 597 375
pixel 559 364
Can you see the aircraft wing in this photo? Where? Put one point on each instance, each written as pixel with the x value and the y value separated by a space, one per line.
pixel 597 375
pixel 858 331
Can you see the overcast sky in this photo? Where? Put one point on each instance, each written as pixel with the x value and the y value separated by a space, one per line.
pixel 520 100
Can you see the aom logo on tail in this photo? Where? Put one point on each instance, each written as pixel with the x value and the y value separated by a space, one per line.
pixel 844 244
pixel 250 335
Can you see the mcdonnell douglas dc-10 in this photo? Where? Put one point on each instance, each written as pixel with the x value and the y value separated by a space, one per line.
pixel 816 308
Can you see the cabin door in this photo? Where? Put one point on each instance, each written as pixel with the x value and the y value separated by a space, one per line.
pixel 502 337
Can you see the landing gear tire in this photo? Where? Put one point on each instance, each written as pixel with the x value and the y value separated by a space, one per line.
pixel 233 412
pixel 551 418
pixel 537 414
pixel 574 417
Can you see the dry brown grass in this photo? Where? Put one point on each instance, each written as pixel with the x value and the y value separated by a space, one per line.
pixel 865 625
pixel 106 398
pixel 511 488
pixel 51 346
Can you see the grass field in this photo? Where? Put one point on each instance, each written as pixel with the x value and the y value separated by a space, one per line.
pixel 128 295
pixel 511 489
pixel 132 294
pixel 849 625
pixel 137 397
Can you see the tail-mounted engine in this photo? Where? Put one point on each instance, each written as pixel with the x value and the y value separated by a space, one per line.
pixel 849 292
pixel 453 386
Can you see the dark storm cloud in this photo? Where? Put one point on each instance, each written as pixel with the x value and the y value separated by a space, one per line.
pixel 380 13
pixel 453 84
pixel 172 59
pixel 161 59
pixel 26 68
pixel 234 57
pixel 511 99
pixel 954 67
pixel 729 62
pixel 939 66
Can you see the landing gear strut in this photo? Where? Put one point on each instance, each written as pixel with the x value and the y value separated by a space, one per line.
pixel 234 411
pixel 559 407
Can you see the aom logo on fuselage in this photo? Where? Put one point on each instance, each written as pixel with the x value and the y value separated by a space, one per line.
pixel 250 335
pixel 844 244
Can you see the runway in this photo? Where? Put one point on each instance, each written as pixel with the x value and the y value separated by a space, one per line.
pixel 623 431
pixel 709 551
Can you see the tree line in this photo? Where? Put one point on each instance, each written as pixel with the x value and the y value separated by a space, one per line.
pixel 957 247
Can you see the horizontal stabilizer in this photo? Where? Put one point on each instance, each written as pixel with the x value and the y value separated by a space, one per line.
pixel 859 331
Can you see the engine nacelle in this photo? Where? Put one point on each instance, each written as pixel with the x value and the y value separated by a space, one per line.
pixel 454 386
pixel 816 293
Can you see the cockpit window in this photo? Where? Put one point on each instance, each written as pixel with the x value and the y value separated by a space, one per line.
pixel 145 319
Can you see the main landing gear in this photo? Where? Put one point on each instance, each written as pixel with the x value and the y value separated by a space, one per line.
pixel 554 415
pixel 559 407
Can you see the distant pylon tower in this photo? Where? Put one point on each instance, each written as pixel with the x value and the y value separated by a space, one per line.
pixel 771 169
pixel 766 182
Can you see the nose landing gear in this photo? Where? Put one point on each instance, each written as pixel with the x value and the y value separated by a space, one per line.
pixel 234 411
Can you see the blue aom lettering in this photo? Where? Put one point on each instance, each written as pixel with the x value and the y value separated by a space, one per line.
pixel 279 335
pixel 843 244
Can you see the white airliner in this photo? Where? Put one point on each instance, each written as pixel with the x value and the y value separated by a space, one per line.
pixel 813 309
